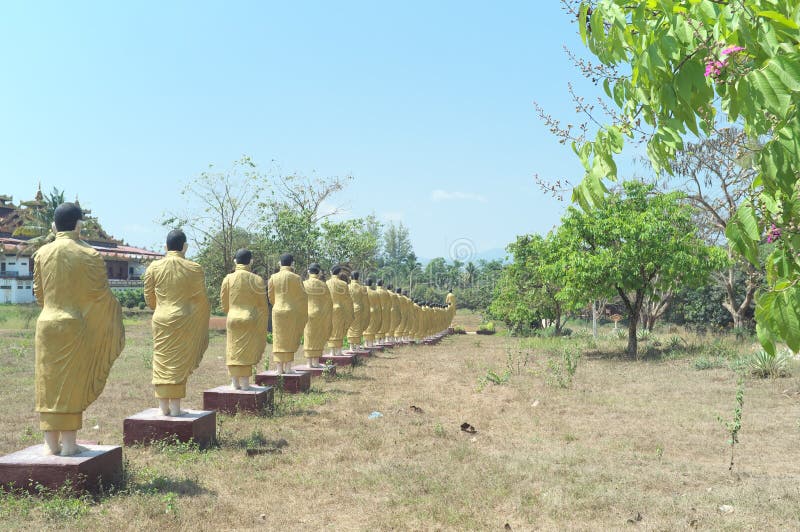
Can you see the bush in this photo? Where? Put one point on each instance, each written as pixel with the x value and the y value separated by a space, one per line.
pixel 130 298
pixel 142 305
pixel 458 329
pixel 487 328
pixel 762 364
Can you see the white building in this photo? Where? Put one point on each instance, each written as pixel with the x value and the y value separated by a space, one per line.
pixel 125 264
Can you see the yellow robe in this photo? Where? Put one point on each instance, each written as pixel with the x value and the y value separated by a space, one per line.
pixel 243 297
pixel 175 289
pixel 366 315
pixel 289 313
pixel 79 333
pixel 409 309
pixel 401 325
pixel 359 307
pixel 320 310
pixel 375 314
pixel 342 311
pixel 386 312
pixel 451 306
pixel 396 314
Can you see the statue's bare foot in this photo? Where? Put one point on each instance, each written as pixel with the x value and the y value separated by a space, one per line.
pixel 176 413
pixel 49 451
pixel 72 450
pixel 246 388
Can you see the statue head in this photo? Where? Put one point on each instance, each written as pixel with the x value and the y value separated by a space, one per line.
pixel 243 256
pixel 380 282
pixel 370 281
pixel 336 270
pixel 314 268
pixel 67 217
pixel 287 259
pixel 399 291
pixel 176 240
pixel 355 275
pixel 405 293
pixel 389 287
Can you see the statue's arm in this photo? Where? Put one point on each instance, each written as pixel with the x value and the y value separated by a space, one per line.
pixel 271 291
pixel 223 296
pixel 149 288
pixel 37 281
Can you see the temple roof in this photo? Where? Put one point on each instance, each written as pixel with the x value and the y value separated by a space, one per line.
pixel 20 224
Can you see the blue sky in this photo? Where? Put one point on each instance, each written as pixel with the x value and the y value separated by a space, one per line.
pixel 428 105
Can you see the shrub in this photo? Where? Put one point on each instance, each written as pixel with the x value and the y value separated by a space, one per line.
pixel 458 329
pixel 142 305
pixel 487 328
pixel 762 364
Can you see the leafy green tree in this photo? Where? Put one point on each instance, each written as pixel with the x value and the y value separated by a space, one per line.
pixel 670 68
pixel 528 289
pixel 636 243
pixel 351 242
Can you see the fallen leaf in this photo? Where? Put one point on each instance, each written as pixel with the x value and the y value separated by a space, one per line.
pixel 417 410
pixel 469 429
pixel 726 508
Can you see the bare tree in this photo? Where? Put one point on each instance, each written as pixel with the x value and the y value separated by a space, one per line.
pixel 219 206
pixel 717 175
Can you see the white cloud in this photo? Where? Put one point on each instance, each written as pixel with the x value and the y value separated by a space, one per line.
pixel 443 195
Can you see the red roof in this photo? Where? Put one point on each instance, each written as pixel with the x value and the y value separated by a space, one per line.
pixel 123 252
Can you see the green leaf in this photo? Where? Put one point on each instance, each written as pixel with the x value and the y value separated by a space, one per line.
pixel 780 18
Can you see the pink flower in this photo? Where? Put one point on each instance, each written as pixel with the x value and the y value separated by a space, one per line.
pixel 773 234
pixel 731 50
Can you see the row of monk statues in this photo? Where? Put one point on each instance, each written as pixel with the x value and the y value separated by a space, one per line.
pixel 79 333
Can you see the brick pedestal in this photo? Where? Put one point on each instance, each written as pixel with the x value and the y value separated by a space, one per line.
pixel 225 399
pixel 338 360
pixel 297 382
pixel 315 372
pixel 358 352
pixel 99 467
pixel 150 425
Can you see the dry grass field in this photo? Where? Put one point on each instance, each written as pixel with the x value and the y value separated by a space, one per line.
pixel 627 445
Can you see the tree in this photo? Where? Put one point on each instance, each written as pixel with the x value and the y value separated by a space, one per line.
pixel 528 289
pixel 294 209
pixel 349 241
pixel 220 206
pixel 671 67
pixel 717 177
pixel 634 245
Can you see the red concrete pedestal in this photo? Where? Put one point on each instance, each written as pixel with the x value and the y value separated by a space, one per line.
pixel 98 467
pixel 374 349
pixel 361 352
pixel 228 400
pixel 338 360
pixel 386 345
pixel 150 425
pixel 299 381
pixel 316 372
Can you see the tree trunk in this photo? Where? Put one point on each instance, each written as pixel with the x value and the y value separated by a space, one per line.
pixel 595 311
pixel 634 311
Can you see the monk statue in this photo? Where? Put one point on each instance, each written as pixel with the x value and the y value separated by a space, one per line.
pixel 289 313
pixel 394 313
pixel 320 310
pixel 360 306
pixel 451 304
pixel 79 333
pixel 175 288
pixel 365 312
pixel 244 299
pixel 386 311
pixel 342 310
pixel 374 324
pixel 403 315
